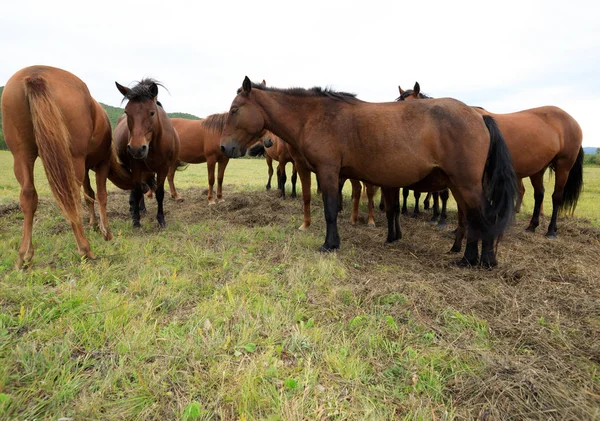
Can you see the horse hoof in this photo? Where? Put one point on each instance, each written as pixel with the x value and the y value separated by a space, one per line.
pixel 441 226
pixel 432 221
pixel 371 224
pixel 415 215
pixel 551 236
pixel 530 229
pixel 136 224
pixel 325 249
pixel 89 255
pixel 108 236
pixel 179 200
pixel 454 249
pixel 303 227
pixel 464 263
pixel 211 203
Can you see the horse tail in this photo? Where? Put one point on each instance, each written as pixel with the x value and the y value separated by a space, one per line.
pixel 53 142
pixel 118 173
pixel 182 166
pixel 257 150
pixel 499 182
pixel 574 185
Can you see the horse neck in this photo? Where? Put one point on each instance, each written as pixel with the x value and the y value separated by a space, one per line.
pixel 159 129
pixel 284 114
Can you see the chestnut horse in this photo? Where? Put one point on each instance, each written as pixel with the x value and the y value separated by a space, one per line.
pixel 49 112
pixel 273 148
pixel 199 143
pixel 541 138
pixel 146 143
pixel 417 144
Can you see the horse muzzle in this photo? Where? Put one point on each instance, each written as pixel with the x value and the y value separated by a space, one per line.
pixel 138 153
pixel 232 150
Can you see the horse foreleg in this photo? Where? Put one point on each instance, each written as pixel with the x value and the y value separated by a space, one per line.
pixel 561 175
pixel 371 190
pixel 160 195
pixel 305 180
pixel 436 207
pixel 294 180
pixel 537 181
pixel 270 170
pixel 444 195
pixel 101 176
pixel 23 169
pixel 210 166
pixel 405 193
pixel 221 165
pixel 90 198
pixel 521 187
pixel 171 180
pixel 136 199
pixel 329 179
pixel 392 211
pixel 426 201
pixel 83 246
pixel 281 177
pixel 460 231
pixel 417 195
pixel 356 190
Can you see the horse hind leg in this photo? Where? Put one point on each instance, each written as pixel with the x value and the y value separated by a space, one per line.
pixel 171 180
pixel 416 211
pixel 561 175
pixel 520 196
pixel 221 165
pixel 23 169
pixel 405 193
pixel 444 196
pixel 537 181
pixel 356 191
pixel 436 207
pixel 101 176
pixel 371 190
pixel 90 199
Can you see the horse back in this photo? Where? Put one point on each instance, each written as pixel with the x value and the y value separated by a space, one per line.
pixel 191 140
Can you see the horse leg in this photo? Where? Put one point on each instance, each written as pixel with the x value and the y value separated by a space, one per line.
pixel 417 195
pixel 305 180
pixel 294 180
pixel 436 207
pixel 329 180
pixel 221 165
pixel 136 199
pixel 101 176
pixel 520 196
pixel 160 195
pixel 356 190
pixel 460 231
pixel 171 180
pixel 392 212
pixel 444 196
pixel 405 193
pixel 83 246
pixel 23 169
pixel 90 198
pixel 270 170
pixel 381 202
pixel 371 190
pixel 561 175
pixel 340 201
pixel 210 166
pixel 282 178
pixel 426 201
pixel 537 181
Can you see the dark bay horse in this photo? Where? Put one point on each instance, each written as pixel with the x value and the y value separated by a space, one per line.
pixel 421 144
pixel 199 143
pixel 275 149
pixel 49 112
pixel 146 143
pixel 538 139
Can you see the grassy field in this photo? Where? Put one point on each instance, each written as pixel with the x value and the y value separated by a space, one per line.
pixel 231 313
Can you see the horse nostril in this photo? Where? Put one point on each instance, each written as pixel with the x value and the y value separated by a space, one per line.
pixel 223 149
pixel 144 147
pixel 129 148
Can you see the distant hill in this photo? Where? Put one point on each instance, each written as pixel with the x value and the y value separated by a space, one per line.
pixel 590 151
pixel 113 115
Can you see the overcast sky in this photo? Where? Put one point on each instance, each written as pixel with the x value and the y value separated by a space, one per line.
pixel 504 56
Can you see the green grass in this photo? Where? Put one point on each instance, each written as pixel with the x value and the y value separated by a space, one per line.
pixel 215 319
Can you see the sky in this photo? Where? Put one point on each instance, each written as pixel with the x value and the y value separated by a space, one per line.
pixel 504 56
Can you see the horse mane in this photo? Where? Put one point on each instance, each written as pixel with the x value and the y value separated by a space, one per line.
pixel 215 122
pixel 316 91
pixel 481 108
pixel 142 91
pixel 409 92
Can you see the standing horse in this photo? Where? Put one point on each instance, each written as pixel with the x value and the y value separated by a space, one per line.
pixel 146 143
pixel 49 112
pixel 541 138
pixel 418 144
pixel 199 142
pixel 273 148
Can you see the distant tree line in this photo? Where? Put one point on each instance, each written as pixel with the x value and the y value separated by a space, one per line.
pixel 113 115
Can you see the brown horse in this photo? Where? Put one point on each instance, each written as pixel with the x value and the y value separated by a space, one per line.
pixel 541 138
pixel 49 112
pixel 273 148
pixel 146 143
pixel 421 144
pixel 199 143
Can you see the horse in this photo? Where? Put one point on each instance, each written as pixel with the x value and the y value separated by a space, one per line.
pixel 49 112
pixel 556 138
pixel 147 143
pixel 199 143
pixel 273 148
pixel 421 144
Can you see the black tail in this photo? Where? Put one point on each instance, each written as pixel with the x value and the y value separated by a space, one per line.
pixel 257 150
pixel 182 166
pixel 574 186
pixel 499 182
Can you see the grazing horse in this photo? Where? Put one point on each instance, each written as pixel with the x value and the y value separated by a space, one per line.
pixel 421 144
pixel 541 138
pixel 49 112
pixel 199 143
pixel 273 148
pixel 147 143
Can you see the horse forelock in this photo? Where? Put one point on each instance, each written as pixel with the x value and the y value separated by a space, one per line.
pixel 143 90
pixel 410 92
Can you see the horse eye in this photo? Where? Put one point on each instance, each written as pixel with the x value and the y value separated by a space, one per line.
pixel 233 111
pixel 152 113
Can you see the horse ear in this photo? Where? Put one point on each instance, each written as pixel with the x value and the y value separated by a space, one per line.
pixel 417 89
pixel 122 89
pixel 400 90
pixel 246 85
pixel 154 90
pixel 264 82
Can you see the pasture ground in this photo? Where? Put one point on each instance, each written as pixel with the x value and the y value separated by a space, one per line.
pixel 231 313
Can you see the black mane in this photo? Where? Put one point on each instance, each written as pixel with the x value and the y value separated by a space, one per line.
pixel 215 122
pixel 409 92
pixel 143 90
pixel 316 91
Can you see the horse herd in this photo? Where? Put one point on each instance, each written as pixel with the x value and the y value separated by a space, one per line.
pixel 416 142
